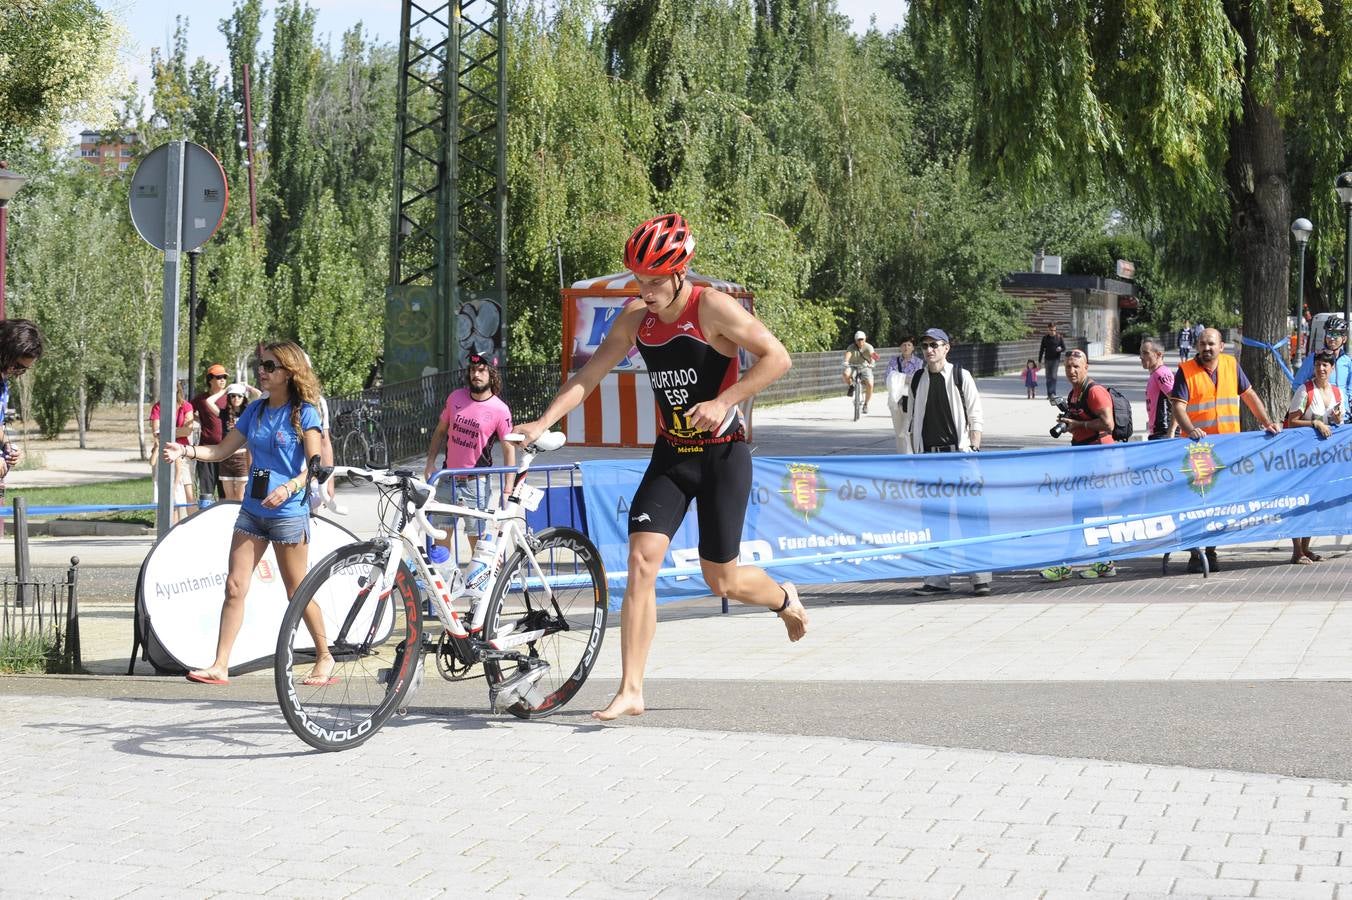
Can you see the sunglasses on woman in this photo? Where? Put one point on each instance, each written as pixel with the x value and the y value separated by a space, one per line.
pixel 269 366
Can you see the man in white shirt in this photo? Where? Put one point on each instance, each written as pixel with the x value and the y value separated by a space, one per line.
pixel 947 418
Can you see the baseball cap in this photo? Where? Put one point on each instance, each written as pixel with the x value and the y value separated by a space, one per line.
pixel 477 360
pixel 859 335
pixel 216 369
pixel 938 334
pixel 237 388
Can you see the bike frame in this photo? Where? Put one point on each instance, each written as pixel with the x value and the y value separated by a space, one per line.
pixel 507 524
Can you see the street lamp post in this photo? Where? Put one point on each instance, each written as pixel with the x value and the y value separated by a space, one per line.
pixel 10 182
pixel 1301 229
pixel 1343 185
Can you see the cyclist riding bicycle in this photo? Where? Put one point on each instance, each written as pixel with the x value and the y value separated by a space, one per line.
pixel 859 360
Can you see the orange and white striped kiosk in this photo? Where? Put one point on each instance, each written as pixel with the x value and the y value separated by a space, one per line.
pixel 621 411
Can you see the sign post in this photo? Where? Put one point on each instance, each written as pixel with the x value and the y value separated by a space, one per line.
pixel 178 199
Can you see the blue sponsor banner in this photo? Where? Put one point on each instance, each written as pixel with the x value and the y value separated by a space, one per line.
pixel 858 518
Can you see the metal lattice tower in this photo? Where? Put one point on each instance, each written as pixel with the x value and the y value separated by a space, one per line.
pixel 447 295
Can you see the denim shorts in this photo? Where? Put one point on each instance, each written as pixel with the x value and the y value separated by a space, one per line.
pixel 285 530
pixel 474 491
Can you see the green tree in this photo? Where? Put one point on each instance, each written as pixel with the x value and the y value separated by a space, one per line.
pixel 57 59
pixel 291 156
pixel 1188 106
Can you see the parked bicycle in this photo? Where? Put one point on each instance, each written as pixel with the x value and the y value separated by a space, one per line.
pixel 363 445
pixel 537 609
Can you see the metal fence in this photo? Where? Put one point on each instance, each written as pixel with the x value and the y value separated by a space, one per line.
pixel 40 624
pixel 817 375
pixel 407 411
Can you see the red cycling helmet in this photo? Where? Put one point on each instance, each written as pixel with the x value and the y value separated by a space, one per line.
pixel 660 246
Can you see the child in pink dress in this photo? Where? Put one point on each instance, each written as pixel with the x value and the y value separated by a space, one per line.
pixel 1030 378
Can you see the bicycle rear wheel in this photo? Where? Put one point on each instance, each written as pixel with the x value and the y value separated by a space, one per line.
pixel 375 637
pixel 565 632
pixel 354 452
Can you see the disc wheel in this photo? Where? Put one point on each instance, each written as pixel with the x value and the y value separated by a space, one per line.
pixel 375 637
pixel 564 632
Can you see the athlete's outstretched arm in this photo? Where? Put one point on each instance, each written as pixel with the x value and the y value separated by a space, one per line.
pixel 614 348
pixel 722 316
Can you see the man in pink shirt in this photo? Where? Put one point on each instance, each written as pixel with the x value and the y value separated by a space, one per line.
pixel 1157 411
pixel 474 418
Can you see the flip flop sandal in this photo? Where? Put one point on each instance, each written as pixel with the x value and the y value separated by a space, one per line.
pixel 206 679
pixel 320 681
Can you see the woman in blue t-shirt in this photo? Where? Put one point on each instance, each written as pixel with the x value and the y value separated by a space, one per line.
pixel 281 431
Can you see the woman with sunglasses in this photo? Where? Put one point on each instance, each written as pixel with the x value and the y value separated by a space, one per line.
pixel 20 349
pixel 281 432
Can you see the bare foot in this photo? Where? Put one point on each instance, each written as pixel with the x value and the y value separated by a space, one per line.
pixel 322 673
pixel 623 705
pixel 795 616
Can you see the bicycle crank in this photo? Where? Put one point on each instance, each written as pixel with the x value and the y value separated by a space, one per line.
pixel 524 685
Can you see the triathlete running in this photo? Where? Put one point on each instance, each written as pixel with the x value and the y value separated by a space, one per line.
pixel 689 337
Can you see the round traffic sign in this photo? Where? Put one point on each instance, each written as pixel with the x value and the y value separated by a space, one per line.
pixel 205 196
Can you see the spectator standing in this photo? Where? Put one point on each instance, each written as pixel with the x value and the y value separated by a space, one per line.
pixel 1317 404
pixel 899 371
pixel 947 419
pixel 21 347
pixel 1185 342
pixel 1090 419
pixel 1159 420
pixel 860 354
pixel 207 407
pixel 1049 353
pixel 1206 396
pixel 182 482
pixel 474 417
pixel 1335 343
pixel 233 471
pixel 282 434
pixel 1197 330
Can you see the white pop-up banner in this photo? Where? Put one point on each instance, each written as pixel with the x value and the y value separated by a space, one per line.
pixel 182 587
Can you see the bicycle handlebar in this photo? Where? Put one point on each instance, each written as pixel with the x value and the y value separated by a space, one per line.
pixel 405 479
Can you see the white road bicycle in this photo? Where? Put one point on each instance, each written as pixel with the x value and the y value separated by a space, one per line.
pixel 536 614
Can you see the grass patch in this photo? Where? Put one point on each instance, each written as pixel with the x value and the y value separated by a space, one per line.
pixel 26 654
pixel 109 493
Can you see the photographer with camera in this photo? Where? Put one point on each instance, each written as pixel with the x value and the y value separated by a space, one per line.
pixel 1087 413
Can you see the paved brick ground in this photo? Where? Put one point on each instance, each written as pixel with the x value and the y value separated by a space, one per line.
pixel 177 799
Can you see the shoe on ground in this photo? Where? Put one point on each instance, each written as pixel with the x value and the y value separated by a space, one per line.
pixel 929 590
pixel 1195 564
pixel 1057 573
pixel 1099 570
pixel 1212 562
pixel 982 590
pixel 865 409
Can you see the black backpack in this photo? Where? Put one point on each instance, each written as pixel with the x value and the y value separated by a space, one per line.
pixel 957 379
pixel 1122 429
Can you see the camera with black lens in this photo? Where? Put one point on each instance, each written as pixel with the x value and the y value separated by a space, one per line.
pixel 1060 427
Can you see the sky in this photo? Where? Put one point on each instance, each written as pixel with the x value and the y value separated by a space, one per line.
pixel 150 23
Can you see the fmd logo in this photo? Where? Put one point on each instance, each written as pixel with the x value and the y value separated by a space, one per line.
pixel 1148 529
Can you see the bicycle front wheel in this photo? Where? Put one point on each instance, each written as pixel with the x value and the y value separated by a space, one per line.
pixel 858 399
pixel 563 630
pixel 374 634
